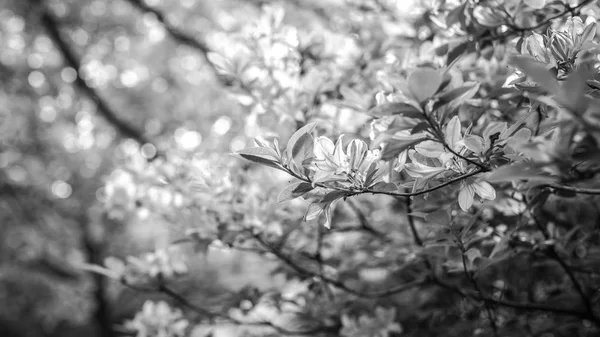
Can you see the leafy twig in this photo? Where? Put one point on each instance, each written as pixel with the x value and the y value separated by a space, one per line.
pixel 338 284
pixel 476 286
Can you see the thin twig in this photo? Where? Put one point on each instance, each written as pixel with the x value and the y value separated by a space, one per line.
pixel 364 222
pixel 585 298
pixel 338 284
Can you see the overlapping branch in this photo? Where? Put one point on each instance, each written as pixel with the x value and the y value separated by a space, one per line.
pixel 104 109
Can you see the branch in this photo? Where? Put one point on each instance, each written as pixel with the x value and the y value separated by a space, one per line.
pixel 515 30
pixel 585 298
pixel 578 190
pixel 212 315
pixel 338 284
pixel 471 278
pixel 180 36
pixel 392 194
pixel 517 305
pixel 364 222
pixel 126 130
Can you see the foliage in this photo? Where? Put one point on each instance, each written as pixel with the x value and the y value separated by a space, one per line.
pixel 394 172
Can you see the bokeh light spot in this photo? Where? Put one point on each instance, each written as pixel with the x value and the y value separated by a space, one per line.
pixel 61 189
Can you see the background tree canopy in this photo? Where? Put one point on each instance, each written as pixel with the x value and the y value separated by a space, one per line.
pixel 356 168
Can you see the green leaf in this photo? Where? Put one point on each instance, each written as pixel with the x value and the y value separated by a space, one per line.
pixel 440 217
pixel 332 196
pixel 474 143
pixel 403 109
pixel 261 155
pixel 453 132
pixel 513 128
pixel 537 4
pixel 537 71
pixel 382 186
pixel 296 141
pixel 456 52
pixel 293 191
pixel 313 211
pixel 395 146
pixel 424 82
pixel 456 96
pixel 519 171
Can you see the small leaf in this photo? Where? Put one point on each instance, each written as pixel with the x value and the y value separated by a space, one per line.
pixel 465 197
pixel 385 187
pixel 395 146
pixel 537 4
pixel 473 143
pixel 484 190
pixel 313 211
pixel 589 33
pixel 472 254
pixel 403 109
pixel 424 82
pixel 520 171
pixel 440 217
pixel 456 52
pixel 430 149
pixel 537 71
pixel 453 132
pixel 293 191
pixel 459 95
pixel 291 146
pixel 261 155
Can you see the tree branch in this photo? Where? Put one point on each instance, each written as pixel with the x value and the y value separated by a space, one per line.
pixel 338 284
pixel 126 130
pixel 180 36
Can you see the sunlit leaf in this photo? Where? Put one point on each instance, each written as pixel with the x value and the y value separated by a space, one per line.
pixel 293 191
pixel 537 71
pixel 424 82
pixel 402 109
pixel 453 132
pixel 297 140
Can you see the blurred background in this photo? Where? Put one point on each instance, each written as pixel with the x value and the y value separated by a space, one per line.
pixel 100 100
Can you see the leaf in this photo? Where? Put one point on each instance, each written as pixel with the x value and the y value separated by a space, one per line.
pixel 419 128
pixel 456 52
pixel 484 190
pixel 459 94
pixel 453 132
pixel 403 109
pixel 395 146
pixel 465 197
pixel 572 93
pixel 430 148
pixel 424 82
pixel 511 130
pixel 537 71
pixel 472 254
pixel 332 196
pixel 313 211
pixel 589 33
pixel 500 246
pixel 293 191
pixel 385 187
pixel 473 143
pixel 520 171
pixel 261 155
pixel 537 4
pixel 292 146
pixel 440 217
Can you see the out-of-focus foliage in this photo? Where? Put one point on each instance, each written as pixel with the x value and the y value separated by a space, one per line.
pixel 317 168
